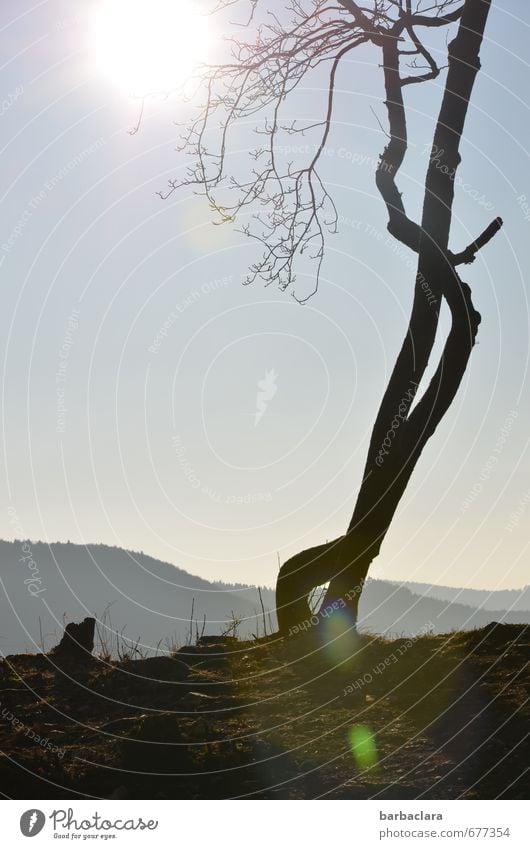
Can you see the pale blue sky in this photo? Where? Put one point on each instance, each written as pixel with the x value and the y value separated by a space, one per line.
pixel 159 451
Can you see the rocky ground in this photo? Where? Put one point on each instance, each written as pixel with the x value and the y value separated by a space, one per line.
pixel 434 717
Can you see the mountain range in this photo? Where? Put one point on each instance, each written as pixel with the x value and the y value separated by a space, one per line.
pixel 140 601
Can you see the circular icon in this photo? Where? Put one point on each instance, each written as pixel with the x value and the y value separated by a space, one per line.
pixel 31 822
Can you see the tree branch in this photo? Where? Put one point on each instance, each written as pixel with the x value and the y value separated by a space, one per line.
pixel 399 225
pixel 416 20
pixel 430 75
pixel 468 254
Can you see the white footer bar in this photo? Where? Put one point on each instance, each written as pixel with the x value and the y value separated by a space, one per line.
pixel 266 824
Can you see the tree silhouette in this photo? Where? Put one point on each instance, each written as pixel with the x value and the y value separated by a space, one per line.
pixel 289 211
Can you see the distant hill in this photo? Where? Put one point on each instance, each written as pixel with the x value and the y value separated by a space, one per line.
pixel 393 609
pixel 151 601
pixel 128 592
pixel 494 600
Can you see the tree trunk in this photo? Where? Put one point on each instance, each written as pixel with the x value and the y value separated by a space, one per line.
pixel 400 433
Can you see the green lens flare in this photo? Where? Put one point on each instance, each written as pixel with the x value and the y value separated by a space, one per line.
pixel 341 642
pixel 362 745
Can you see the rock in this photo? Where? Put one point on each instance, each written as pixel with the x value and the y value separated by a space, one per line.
pixel 77 643
pixel 214 656
pixel 217 640
pixel 161 669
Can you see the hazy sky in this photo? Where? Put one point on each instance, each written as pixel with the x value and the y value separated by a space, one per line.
pixel 132 355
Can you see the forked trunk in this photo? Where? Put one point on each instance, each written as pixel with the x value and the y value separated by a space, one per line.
pixel 402 430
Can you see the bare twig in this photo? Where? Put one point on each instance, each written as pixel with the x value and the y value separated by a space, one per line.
pixel 263 612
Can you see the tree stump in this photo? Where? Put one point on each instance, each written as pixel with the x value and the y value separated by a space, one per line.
pixel 77 643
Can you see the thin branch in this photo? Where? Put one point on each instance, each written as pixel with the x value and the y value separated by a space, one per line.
pixel 399 225
pixel 434 70
pixel 284 205
pixel 468 254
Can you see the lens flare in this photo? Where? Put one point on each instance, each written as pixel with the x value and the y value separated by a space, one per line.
pixel 363 747
pixel 339 634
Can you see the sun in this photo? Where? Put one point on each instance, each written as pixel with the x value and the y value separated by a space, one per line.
pixel 149 46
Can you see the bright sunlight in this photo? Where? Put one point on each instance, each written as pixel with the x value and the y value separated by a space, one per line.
pixel 149 46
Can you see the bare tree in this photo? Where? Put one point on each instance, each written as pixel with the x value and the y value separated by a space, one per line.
pixel 286 207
